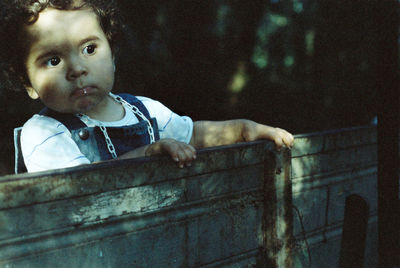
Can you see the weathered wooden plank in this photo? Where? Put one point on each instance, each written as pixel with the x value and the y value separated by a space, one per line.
pixel 324 206
pixel 332 177
pixel 351 159
pixel 18 190
pixel 149 213
pixel 312 206
pixel 278 224
pixel 333 140
pixel 182 234
pixel 364 186
pixel 324 247
pixel 247 259
pixel 147 198
pixel 327 167
pixel 232 208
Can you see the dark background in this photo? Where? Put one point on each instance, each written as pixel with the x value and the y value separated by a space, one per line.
pixel 303 65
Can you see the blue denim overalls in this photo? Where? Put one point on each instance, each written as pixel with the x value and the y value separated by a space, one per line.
pixel 91 140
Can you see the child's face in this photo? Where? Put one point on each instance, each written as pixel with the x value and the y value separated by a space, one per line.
pixel 69 61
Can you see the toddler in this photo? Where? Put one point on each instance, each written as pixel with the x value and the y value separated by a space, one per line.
pixel 62 52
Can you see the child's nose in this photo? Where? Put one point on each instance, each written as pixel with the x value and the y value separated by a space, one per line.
pixel 76 69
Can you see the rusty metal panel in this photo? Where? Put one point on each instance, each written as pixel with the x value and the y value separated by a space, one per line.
pixel 149 213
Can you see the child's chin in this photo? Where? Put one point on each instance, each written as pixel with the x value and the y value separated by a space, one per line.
pixel 85 106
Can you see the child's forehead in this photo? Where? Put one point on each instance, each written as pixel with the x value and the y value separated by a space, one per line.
pixel 49 16
pixel 58 29
pixel 58 22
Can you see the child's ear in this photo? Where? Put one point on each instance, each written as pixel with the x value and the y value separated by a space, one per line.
pixel 31 92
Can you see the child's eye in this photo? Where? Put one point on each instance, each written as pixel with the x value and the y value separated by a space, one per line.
pixel 54 61
pixel 89 49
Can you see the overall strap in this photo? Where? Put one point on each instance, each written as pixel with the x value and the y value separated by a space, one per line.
pixel 19 160
pixel 135 101
pixel 68 120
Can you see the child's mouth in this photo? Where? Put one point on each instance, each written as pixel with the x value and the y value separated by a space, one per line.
pixel 82 91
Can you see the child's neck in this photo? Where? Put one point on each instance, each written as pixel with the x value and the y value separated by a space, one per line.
pixel 108 111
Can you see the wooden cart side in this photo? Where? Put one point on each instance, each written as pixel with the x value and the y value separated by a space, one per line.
pixel 149 213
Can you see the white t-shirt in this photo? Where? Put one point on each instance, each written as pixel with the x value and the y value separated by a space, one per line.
pixel 47 144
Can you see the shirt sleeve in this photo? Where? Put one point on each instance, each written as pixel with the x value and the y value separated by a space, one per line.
pixel 170 124
pixel 47 144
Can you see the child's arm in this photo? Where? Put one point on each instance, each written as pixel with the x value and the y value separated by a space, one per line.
pixel 214 133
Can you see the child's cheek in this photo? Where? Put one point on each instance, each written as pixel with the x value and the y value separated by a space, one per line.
pixel 105 75
pixel 41 80
pixel 52 93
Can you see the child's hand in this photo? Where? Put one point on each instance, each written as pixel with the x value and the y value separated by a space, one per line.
pixel 253 131
pixel 180 152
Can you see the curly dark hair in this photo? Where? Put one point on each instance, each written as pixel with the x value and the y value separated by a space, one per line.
pixel 14 14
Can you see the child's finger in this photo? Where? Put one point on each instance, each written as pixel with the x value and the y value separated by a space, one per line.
pixel 190 151
pixel 283 138
pixel 182 158
pixel 183 154
pixel 188 154
pixel 288 140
